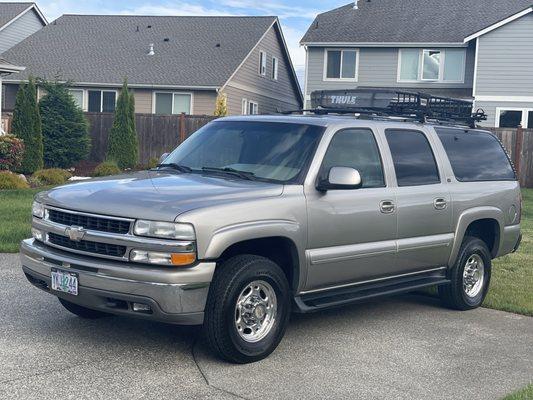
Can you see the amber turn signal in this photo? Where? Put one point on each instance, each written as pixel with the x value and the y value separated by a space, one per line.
pixel 181 259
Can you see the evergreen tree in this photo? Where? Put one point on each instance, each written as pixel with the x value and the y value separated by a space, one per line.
pixel 123 146
pixel 27 126
pixel 65 128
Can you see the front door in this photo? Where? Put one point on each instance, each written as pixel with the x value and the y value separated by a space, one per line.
pixel 425 233
pixel 352 233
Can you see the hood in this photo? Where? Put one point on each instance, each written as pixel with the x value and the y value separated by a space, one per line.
pixel 155 195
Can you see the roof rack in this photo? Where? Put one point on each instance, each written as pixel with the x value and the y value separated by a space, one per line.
pixel 414 106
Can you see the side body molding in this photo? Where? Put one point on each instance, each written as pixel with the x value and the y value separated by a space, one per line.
pixel 466 218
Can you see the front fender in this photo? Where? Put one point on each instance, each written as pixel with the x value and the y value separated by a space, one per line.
pixel 229 235
pixel 472 215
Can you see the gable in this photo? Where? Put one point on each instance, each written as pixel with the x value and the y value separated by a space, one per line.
pixel 19 29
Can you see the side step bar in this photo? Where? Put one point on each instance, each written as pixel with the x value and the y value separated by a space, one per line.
pixel 338 297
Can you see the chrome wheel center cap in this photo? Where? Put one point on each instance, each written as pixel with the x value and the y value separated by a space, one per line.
pixel 255 311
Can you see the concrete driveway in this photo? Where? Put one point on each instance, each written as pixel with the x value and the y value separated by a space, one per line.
pixel 401 348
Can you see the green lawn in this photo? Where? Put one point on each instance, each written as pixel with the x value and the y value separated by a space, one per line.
pixel 15 218
pixel 524 394
pixel 512 276
pixel 511 286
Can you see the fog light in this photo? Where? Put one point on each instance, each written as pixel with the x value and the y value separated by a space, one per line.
pixel 38 234
pixel 142 308
pixel 159 258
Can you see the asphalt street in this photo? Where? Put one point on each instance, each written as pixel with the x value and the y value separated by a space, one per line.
pixel 401 348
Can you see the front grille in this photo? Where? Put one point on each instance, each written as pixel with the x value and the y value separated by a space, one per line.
pixel 89 222
pixel 105 249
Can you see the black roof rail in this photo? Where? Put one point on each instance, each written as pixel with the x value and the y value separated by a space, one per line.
pixel 407 105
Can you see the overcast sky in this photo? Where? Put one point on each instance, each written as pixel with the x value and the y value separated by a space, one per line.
pixel 295 15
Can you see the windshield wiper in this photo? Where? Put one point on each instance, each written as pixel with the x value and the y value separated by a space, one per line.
pixel 250 176
pixel 177 167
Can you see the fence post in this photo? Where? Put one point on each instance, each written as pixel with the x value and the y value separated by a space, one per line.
pixel 518 150
pixel 182 127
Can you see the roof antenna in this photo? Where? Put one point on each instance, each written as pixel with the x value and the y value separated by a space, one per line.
pixel 151 52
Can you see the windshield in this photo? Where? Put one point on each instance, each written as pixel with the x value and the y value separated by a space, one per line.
pixel 269 151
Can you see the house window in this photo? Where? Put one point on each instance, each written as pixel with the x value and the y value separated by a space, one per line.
pixel 275 68
pixel 262 63
pixel 244 107
pixel 341 64
pixel 424 65
pixel 172 103
pixel 514 117
pixel 253 108
pixel 101 100
pixel 77 96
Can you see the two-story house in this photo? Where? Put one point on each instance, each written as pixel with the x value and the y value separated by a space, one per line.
pixel 173 64
pixel 467 49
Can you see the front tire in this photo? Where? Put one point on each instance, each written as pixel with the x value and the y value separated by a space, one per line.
pixel 247 309
pixel 82 312
pixel 470 276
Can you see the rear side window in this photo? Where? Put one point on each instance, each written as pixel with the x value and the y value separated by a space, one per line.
pixel 356 148
pixel 413 158
pixel 476 155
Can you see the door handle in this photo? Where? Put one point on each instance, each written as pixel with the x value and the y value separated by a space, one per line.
pixel 440 204
pixel 387 207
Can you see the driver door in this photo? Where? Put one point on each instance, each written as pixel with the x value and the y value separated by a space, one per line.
pixel 352 233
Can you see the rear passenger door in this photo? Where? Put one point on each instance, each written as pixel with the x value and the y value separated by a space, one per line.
pixel 423 202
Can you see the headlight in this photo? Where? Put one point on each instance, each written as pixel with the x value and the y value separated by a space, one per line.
pixel 165 230
pixel 37 210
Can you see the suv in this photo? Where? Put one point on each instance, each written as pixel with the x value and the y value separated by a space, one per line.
pixel 254 217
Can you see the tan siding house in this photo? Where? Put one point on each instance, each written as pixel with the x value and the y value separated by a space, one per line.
pixel 173 64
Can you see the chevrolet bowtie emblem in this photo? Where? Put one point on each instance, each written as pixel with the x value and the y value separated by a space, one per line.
pixel 75 233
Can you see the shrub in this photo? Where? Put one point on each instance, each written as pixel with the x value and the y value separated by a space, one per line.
pixel 123 146
pixel 107 168
pixel 153 162
pixel 27 126
pixel 65 129
pixel 9 180
pixel 52 176
pixel 221 106
pixel 11 152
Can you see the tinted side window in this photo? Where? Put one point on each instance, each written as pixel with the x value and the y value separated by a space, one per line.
pixel 356 148
pixel 413 158
pixel 475 156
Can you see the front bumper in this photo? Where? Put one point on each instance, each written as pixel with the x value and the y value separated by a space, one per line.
pixel 174 295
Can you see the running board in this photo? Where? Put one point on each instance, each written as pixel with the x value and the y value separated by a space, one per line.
pixel 358 293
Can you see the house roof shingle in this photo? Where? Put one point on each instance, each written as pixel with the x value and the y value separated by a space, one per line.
pixel 8 11
pixel 189 51
pixel 410 21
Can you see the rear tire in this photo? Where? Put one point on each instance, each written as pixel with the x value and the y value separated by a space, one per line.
pixel 470 276
pixel 247 309
pixel 80 311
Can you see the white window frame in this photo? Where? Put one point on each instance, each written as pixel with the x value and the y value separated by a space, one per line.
pixel 525 115
pixel 275 68
pixel 421 67
pixel 82 96
pixel 255 107
pixel 262 63
pixel 86 98
pixel 191 108
pixel 341 79
pixel 244 107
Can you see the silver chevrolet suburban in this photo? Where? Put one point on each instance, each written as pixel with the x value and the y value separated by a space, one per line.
pixel 254 217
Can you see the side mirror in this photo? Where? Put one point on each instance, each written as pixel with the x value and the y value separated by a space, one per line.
pixel 341 178
pixel 163 157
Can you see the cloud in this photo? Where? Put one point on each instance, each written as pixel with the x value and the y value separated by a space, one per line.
pixel 272 8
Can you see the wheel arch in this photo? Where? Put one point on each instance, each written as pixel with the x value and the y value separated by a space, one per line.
pixel 486 223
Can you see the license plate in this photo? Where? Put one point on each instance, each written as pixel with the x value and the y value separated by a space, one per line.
pixel 65 281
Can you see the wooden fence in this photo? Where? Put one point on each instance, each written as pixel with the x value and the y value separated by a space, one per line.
pixel 519 145
pixel 157 134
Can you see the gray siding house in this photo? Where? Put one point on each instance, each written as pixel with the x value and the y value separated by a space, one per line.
pixel 468 49
pixel 17 22
pixel 173 64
